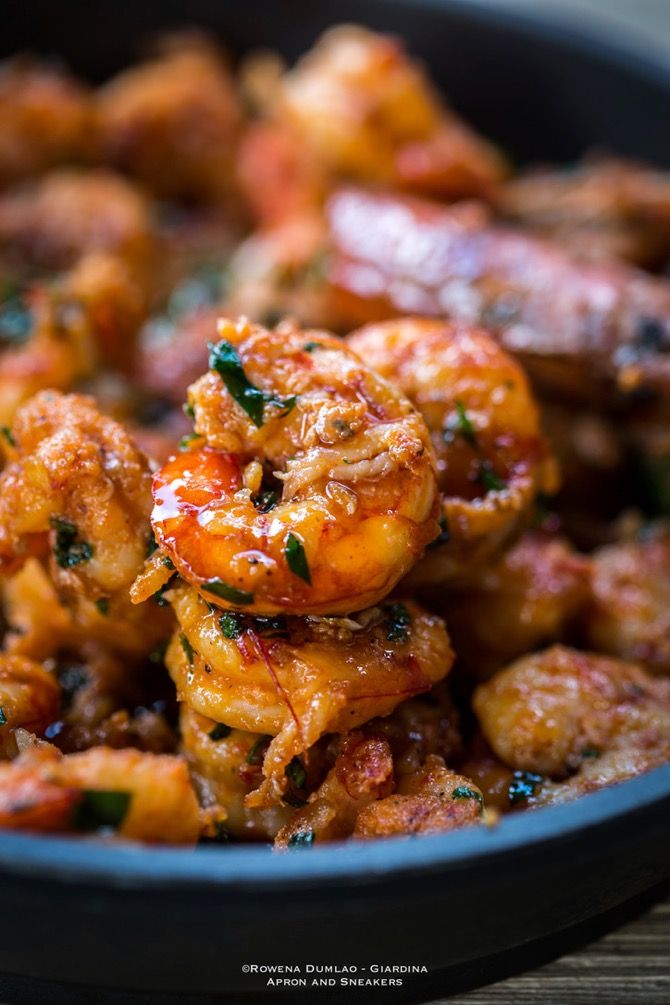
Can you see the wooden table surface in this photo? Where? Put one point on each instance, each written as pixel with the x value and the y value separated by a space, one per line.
pixel 631 966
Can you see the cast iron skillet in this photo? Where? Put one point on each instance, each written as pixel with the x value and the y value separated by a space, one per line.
pixel 108 923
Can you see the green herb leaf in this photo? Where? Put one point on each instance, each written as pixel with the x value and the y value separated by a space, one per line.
pixel 231 625
pixel 227 592
pixel 295 772
pixel 189 651
pixel 465 792
pixel 523 786
pixel 3 717
pixel 15 317
pixel 152 544
pixel 398 624
pixel 488 479
pixel 101 808
pixel 224 359
pixel 188 410
pixel 590 752
pixel 8 436
pixel 159 595
pixel 257 752
pixel 219 732
pixel 265 501
pixel 296 558
pixel 68 550
pixel 301 839
pixel 186 442
pixel 102 603
pixel 311 346
pixel 462 425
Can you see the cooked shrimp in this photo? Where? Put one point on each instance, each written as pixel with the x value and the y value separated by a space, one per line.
pixel 29 698
pixel 68 213
pixel 629 613
pixel 46 118
pixel 297 679
pixel 352 501
pixel 77 490
pixel 491 458
pixel 279 271
pixel 172 121
pixel 551 712
pixel 529 599
pixel 45 342
pixel 433 800
pixel 362 773
pixel 141 797
pixel 225 767
pixel 603 208
pixel 590 332
pixel 367 111
pixel 277 174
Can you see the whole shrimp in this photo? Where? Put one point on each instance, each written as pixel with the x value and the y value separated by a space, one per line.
pixel 492 460
pixel 141 797
pixel 296 679
pixel 29 699
pixel 76 493
pixel 569 722
pixel 310 486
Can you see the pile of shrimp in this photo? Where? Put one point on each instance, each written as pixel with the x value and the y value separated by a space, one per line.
pixel 335 472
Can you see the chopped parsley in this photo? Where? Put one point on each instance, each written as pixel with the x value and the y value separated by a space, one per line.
pixel 265 501
pixel 100 808
pixel 311 346
pixel 231 625
pixel 257 751
pixel 398 623
pixel 295 772
pixel 3 717
pixel 523 786
pixel 15 317
pixel 488 479
pixel 590 752
pixel 224 359
pixel 465 792
pixel 189 652
pixel 159 595
pixel 230 593
pixel 301 839
pixel 8 435
pixel 462 426
pixel 219 732
pixel 188 410
pixel 296 558
pixel 68 549
pixel 186 442
pixel 152 544
pixel 102 603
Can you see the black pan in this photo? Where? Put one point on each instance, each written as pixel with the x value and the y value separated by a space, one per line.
pixel 92 922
